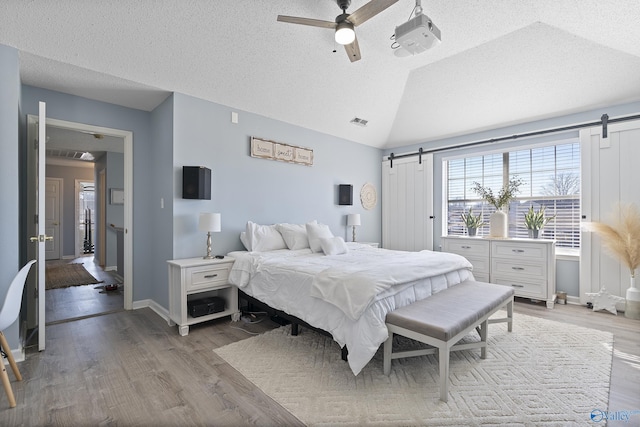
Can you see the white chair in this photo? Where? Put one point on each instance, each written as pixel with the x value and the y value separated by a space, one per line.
pixel 8 315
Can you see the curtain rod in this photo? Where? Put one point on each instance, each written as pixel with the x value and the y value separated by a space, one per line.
pixel 604 121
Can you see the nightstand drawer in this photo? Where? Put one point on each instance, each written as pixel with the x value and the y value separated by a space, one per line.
pixel 206 277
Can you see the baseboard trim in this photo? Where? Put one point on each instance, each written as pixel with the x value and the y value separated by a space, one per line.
pixel 149 303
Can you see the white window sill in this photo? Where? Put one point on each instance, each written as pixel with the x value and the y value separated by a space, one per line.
pixel 566 254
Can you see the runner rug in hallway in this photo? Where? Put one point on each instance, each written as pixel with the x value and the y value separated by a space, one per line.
pixel 65 275
pixel 543 373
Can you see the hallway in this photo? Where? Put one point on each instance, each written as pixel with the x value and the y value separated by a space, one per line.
pixel 73 302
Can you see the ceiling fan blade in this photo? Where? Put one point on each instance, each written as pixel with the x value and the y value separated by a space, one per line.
pixel 353 50
pixel 307 21
pixel 369 10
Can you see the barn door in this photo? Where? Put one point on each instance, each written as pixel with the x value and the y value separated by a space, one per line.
pixel 407 203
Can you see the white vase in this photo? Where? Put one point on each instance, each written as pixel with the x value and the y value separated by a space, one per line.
pixel 498 224
pixel 632 303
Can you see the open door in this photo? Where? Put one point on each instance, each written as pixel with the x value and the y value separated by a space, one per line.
pixel 36 190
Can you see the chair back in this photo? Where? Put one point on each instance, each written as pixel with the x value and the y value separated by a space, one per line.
pixel 12 302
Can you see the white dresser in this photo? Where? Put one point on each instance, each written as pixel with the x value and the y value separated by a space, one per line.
pixel 195 278
pixel 527 265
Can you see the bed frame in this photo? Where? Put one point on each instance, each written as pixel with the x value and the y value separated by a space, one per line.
pixel 284 318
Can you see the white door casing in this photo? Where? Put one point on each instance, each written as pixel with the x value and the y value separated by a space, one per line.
pixel 41 237
pixel 610 170
pixel 407 203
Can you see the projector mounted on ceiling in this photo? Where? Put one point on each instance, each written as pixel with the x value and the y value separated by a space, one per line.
pixel 417 34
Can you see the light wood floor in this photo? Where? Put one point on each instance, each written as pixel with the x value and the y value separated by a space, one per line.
pixel 81 301
pixel 131 368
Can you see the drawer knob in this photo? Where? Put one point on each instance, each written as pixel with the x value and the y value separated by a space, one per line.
pixel 210 276
pixel 518 251
pixel 465 247
pixel 517 286
pixel 518 268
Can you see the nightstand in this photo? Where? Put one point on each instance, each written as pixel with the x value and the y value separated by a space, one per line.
pixel 196 278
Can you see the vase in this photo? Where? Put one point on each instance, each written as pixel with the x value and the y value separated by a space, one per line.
pixel 533 234
pixel 632 303
pixel 472 231
pixel 498 224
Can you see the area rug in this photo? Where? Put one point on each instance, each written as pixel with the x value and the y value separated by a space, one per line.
pixel 543 373
pixel 64 275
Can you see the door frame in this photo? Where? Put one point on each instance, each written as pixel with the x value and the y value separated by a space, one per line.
pixel 128 193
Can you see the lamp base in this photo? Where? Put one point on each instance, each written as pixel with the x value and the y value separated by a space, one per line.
pixel 208 255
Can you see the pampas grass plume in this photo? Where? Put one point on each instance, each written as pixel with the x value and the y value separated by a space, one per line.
pixel 622 237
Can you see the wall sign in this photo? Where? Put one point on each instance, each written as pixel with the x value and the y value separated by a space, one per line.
pixel 265 149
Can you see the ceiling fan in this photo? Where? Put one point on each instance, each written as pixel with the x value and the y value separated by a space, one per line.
pixel 344 23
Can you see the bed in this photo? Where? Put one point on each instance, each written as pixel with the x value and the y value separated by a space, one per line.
pixel 347 291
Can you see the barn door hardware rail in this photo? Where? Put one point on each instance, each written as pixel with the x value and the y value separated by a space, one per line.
pixel 604 122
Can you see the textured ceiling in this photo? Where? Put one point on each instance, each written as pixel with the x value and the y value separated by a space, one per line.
pixel 500 62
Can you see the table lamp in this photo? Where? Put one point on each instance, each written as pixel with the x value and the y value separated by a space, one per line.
pixel 353 220
pixel 209 222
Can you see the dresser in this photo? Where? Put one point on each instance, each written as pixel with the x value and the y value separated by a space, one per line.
pixel 197 278
pixel 527 265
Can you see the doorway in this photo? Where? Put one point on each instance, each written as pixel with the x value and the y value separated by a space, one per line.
pixel 84 224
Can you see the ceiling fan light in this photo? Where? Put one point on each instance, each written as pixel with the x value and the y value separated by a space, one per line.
pixel 345 33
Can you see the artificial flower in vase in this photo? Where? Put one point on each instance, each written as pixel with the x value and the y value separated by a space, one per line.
pixel 622 239
pixel 535 221
pixel 498 220
pixel 472 222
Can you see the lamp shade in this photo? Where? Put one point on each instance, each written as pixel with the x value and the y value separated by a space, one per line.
pixel 209 222
pixel 353 219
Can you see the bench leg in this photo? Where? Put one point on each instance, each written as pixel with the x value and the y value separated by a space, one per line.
pixel 510 315
pixel 443 356
pixel 388 345
pixel 484 333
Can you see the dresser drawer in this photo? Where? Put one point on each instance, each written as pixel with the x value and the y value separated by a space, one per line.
pixel 206 277
pixel 524 288
pixel 515 250
pixel 536 271
pixel 467 247
pixel 480 265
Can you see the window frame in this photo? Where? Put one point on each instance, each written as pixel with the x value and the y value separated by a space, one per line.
pixel 505 150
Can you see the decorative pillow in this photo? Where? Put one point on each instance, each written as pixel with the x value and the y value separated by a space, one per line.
pixel 245 241
pixel 315 232
pixel 333 246
pixel 294 235
pixel 262 238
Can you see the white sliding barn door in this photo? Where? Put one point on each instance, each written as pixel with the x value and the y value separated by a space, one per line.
pixel 407 203
pixel 610 174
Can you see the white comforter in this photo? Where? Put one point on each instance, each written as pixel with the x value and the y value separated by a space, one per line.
pixel 347 295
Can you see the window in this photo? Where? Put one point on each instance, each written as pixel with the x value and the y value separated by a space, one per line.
pixel 551 179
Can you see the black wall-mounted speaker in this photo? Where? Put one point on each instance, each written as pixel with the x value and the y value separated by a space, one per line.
pixel 345 194
pixel 196 182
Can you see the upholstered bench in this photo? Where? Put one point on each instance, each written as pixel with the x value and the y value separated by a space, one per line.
pixel 445 318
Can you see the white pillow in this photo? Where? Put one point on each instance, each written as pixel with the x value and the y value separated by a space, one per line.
pixel 294 235
pixel 333 246
pixel 245 241
pixel 262 238
pixel 315 232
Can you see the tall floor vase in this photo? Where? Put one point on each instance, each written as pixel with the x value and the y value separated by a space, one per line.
pixel 498 224
pixel 632 304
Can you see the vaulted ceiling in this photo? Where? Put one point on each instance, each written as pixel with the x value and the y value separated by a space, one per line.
pixel 500 62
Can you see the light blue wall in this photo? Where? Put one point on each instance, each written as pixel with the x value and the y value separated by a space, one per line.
pixel 264 191
pixel 69 175
pixel 567 272
pixel 9 181
pixel 81 110
pixel 161 193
